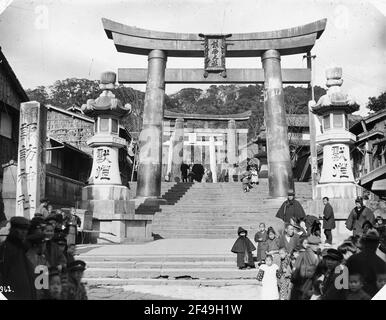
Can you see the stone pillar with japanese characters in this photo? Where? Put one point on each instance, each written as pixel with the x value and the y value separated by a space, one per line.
pixel 31 169
pixel 337 180
pixel 105 196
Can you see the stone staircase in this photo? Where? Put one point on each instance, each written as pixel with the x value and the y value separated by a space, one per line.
pixel 209 210
pixel 170 261
pixel 197 228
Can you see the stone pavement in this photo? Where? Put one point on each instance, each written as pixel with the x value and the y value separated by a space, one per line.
pixel 173 292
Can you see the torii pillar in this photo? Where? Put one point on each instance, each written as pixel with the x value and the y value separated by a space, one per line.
pixel 177 145
pixel 150 138
pixel 279 162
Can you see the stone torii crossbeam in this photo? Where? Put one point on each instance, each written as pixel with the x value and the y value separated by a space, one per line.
pixel 269 46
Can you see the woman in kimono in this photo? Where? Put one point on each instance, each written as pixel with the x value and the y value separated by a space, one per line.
pixel 271 246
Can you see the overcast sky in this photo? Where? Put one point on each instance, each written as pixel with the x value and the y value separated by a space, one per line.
pixel 53 40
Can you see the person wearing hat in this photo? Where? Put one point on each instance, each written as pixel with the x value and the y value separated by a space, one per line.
pixel 75 288
pixel 358 216
pixel 16 271
pixel 37 225
pixel 52 219
pixel 291 209
pixel 35 253
pixel 367 263
pixel 332 259
pixel 36 256
pixel 304 270
pixel 43 208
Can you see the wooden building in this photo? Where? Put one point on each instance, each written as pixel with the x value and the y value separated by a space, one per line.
pixel 11 95
pixel 369 154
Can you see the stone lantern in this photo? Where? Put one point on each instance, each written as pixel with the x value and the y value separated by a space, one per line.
pixel 337 180
pixel 105 196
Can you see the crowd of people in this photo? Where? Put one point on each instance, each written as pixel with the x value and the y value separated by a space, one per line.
pixel 37 257
pixel 292 264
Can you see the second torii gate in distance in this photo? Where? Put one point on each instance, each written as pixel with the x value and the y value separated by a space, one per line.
pixel 214 48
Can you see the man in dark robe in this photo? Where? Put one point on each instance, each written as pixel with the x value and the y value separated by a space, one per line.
pixel 358 216
pixel 16 271
pixel 367 263
pixel 243 247
pixel 291 209
pixel 328 220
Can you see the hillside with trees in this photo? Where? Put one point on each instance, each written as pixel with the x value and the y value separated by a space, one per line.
pixel 221 99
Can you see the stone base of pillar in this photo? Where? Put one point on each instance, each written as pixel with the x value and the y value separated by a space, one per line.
pixel 123 230
pixel 149 201
pixel 336 191
pixel 113 215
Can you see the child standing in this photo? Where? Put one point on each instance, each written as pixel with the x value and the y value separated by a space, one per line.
pixel 355 285
pixel 260 238
pixel 271 246
pixel 243 247
pixel 269 290
pixel 284 274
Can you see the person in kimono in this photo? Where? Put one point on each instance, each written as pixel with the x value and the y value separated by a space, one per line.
pixel 260 238
pixel 271 246
pixel 267 277
pixel 358 216
pixel 289 239
pixel 243 247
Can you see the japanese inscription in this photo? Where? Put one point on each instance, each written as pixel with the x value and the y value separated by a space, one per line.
pixel 215 53
pixel 102 171
pixel 340 162
pixel 31 155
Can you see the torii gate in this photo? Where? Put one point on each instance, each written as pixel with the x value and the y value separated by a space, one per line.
pixel 270 46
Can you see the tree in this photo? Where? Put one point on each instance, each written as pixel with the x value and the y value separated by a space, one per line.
pixel 39 94
pixel 377 103
pixel 133 121
pixel 73 92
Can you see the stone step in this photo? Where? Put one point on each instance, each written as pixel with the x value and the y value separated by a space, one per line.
pixel 179 282
pixel 162 265
pixel 200 273
pixel 158 258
